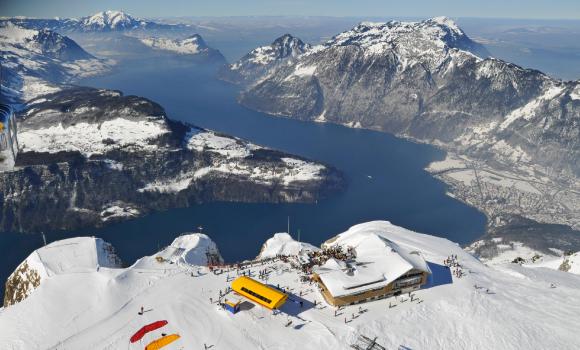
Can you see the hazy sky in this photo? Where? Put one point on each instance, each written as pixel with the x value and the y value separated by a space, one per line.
pixel 375 8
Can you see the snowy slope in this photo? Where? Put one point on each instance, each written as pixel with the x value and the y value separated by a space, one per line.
pixel 69 256
pixel 188 249
pixel 513 307
pixel 35 62
pixel 568 263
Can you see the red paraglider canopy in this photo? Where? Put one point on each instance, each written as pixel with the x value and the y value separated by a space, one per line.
pixel 146 329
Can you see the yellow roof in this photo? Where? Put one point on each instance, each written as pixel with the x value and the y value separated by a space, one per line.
pixel 259 292
pixel 161 342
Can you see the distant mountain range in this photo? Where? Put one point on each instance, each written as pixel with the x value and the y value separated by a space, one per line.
pixel 430 82
pixel 105 21
pixel 38 56
pixel 36 61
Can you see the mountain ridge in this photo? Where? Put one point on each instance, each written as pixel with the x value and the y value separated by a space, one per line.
pixel 419 80
pixel 104 21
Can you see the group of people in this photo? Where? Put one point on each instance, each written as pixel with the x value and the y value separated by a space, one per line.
pixel 452 263
pixel 321 256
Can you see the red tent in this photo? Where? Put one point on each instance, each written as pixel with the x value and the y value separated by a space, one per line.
pixel 146 329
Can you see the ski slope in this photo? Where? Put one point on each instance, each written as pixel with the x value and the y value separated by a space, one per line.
pixel 513 306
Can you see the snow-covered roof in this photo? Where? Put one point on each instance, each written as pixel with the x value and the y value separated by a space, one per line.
pixel 379 261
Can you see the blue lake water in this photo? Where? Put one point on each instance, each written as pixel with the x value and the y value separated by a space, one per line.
pixel 386 176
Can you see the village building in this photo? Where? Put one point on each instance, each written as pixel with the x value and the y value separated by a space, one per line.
pixel 378 269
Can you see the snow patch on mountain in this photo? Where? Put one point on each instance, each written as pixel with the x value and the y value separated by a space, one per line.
pixel 527 112
pixel 93 138
pixel 116 212
pixel 304 71
pixel 193 45
pixel 227 146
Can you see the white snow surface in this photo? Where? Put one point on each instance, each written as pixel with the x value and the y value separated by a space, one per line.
pixel 230 147
pixel 98 309
pixel 283 244
pixel 572 262
pixel 187 249
pixel 69 256
pixel 91 138
pixel 115 212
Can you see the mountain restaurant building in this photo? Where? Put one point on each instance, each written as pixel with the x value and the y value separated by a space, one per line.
pixel 380 270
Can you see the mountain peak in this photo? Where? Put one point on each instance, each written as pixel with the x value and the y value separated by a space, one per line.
pixel 288 45
pixel 445 21
pixel 110 20
pixel 431 35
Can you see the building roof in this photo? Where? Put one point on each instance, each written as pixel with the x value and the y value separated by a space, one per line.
pixel 378 263
pixel 259 292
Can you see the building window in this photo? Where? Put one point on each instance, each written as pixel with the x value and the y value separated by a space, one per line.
pixel 405 282
pixel 264 299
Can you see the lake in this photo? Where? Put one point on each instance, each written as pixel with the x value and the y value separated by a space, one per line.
pixel 386 176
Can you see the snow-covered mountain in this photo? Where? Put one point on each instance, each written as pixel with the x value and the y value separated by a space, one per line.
pixel 259 61
pixel 35 62
pixel 90 157
pixel 105 21
pixel 429 81
pixel 111 21
pixel 507 306
pixel 193 45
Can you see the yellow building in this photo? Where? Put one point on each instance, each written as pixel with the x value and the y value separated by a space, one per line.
pixel 258 292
